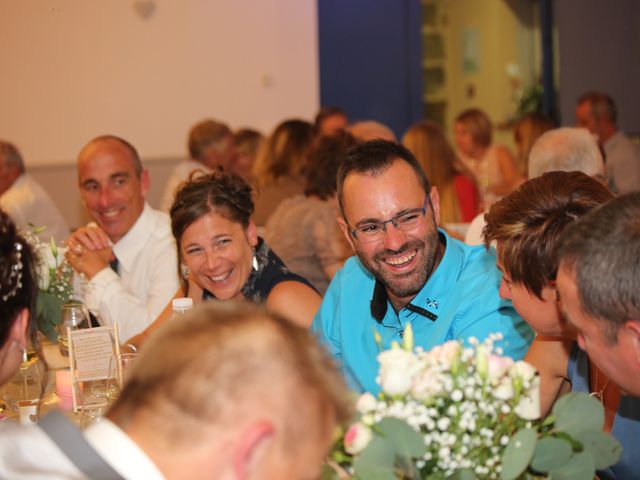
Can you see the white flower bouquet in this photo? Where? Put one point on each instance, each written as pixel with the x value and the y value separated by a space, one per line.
pixel 457 412
pixel 55 282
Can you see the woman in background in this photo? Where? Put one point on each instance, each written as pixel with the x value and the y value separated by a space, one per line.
pixel 18 292
pixel 303 230
pixel 493 165
pixel 279 167
pixel 247 143
pixel 459 198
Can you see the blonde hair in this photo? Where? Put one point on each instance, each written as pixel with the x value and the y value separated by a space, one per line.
pixel 526 131
pixel 284 152
pixel 224 358
pixel 427 142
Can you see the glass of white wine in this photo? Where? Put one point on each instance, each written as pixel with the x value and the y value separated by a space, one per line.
pixel 119 369
pixel 75 316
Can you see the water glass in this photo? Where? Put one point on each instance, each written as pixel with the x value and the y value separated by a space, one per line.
pixel 119 368
pixel 74 316
pixel 93 410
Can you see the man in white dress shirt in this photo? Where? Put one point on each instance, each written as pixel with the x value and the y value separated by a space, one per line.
pixel 210 147
pixel 25 200
pixel 113 186
pixel 219 406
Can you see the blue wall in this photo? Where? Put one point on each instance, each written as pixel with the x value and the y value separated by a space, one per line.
pixel 370 59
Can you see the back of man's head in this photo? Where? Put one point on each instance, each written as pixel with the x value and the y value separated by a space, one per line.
pixel 566 149
pixel 204 135
pixel 224 366
pixel 602 250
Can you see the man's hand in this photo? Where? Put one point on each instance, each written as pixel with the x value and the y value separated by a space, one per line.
pixel 88 238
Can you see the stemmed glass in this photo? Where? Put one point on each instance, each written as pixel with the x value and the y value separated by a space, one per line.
pixel 75 316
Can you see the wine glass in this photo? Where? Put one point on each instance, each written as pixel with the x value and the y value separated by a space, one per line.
pixel 75 316
pixel 93 409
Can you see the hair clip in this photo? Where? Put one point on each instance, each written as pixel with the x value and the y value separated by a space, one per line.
pixel 15 273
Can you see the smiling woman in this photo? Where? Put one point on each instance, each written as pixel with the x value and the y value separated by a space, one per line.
pixel 221 257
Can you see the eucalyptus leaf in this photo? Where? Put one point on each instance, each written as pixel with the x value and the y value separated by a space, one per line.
pixel 407 442
pixel 463 474
pixel 518 454
pixel 605 449
pixel 550 453
pixel 377 461
pixel 579 467
pixel 48 314
pixel 578 412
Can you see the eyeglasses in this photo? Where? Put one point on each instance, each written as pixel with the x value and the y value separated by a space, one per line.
pixel 405 222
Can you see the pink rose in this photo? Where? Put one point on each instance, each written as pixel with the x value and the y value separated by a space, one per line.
pixel 357 438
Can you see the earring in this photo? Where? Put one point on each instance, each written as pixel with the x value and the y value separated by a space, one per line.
pixel 254 263
pixel 184 270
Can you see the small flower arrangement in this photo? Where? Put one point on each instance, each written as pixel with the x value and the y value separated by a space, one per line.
pixel 457 412
pixel 55 282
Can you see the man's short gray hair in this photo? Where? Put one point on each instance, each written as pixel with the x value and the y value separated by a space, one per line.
pixel 11 156
pixel 566 149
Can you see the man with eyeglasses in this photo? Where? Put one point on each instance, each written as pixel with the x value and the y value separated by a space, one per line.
pixel 407 271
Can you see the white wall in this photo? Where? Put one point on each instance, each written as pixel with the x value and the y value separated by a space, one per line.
pixel 72 70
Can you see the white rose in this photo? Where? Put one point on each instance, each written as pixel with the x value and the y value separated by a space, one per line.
pixel 529 406
pixel 498 366
pixel 427 384
pixel 523 370
pixel 357 438
pixel 504 390
pixel 366 403
pixel 396 371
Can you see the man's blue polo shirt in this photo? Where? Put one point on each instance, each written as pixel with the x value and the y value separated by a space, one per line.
pixel 459 300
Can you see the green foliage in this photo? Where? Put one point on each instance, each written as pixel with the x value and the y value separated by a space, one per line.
pixel 518 454
pixel 48 314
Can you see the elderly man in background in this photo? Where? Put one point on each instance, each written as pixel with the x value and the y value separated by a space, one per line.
pixel 24 199
pixel 127 254
pixel 407 270
pixel 210 147
pixel 597 112
pixel 563 149
pixel 220 406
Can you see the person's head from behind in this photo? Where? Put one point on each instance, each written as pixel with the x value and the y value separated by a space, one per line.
pixel 11 165
pixel 367 130
pixel 473 132
pixel 427 142
pixel 566 149
pixel 285 152
pixel 247 143
pixel 244 392
pixel 525 132
pixel 214 233
pixel 211 143
pixel 599 284
pixel 330 120
pixel 323 161
pixel 390 215
pixel 597 112
pixel 527 226
pixel 113 184
pixel 18 290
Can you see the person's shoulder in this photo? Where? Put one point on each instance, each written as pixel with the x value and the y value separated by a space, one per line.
pixel 478 265
pixel 159 223
pixel 352 280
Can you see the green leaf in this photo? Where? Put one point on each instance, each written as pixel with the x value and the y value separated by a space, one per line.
pixel 551 453
pixel 518 454
pixel 407 442
pixel 579 467
pixel 48 314
pixel 377 461
pixel 578 412
pixel 604 449
pixel 328 473
pixel 463 474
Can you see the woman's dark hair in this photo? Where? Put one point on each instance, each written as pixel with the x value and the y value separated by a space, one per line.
pixel 224 193
pixel 323 161
pixel 18 281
